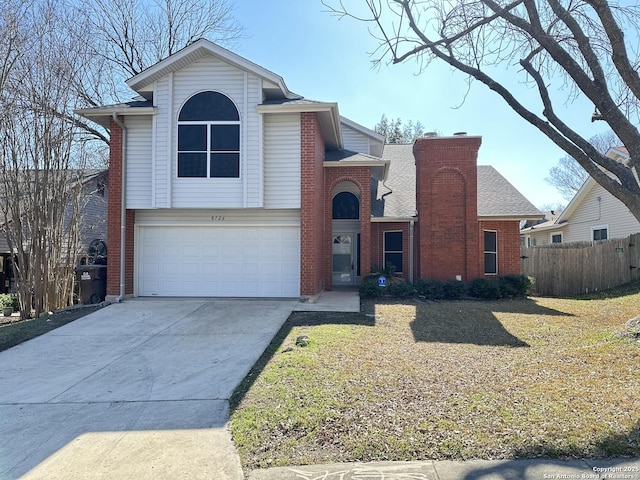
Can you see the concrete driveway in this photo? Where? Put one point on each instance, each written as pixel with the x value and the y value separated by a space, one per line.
pixel 136 390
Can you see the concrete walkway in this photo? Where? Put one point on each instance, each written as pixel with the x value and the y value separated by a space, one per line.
pixel 470 470
pixel 136 390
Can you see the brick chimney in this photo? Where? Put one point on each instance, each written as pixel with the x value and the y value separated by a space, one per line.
pixel 447 204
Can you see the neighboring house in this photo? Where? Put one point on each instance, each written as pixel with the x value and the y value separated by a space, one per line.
pixel 93 224
pixel 235 186
pixel 592 214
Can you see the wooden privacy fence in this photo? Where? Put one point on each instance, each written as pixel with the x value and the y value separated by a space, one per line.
pixel 582 267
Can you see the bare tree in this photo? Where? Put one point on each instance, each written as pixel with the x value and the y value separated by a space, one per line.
pixel 39 182
pixel 128 36
pixel 568 176
pixel 563 49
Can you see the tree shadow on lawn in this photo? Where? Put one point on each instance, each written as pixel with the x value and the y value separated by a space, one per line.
pixel 617 452
pixel 296 319
pixel 472 322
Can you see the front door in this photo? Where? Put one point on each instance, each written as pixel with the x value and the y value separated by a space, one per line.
pixel 343 249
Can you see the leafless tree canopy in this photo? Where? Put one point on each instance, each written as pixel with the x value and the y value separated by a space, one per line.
pixel 564 49
pixel 568 176
pixel 57 56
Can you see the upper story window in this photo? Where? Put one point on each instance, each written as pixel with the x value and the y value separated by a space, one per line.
pixel 209 137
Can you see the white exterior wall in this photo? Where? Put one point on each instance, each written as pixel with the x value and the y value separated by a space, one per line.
pixel 205 217
pixel 139 162
pixel 171 92
pixel 354 140
pixel 282 161
pixel 608 211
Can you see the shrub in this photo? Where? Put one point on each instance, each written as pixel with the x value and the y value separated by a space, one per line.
pixel 515 286
pixel 369 287
pixel 454 290
pixel 430 289
pixel 485 289
pixel 400 288
pixel 6 300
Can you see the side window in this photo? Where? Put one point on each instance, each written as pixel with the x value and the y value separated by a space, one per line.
pixel 393 250
pixel 599 233
pixel 209 137
pixel 556 238
pixel 490 252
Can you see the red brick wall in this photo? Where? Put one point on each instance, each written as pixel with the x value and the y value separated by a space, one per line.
pixel 377 243
pixel 508 245
pixel 114 204
pixel 446 199
pixel 312 206
pixel 361 177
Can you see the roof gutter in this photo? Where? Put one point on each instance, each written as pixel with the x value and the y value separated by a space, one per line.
pixel 123 198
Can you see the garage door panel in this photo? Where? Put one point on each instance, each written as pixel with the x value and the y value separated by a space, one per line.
pixel 218 261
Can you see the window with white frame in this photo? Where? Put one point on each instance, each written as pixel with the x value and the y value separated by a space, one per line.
pixel 599 233
pixel 490 252
pixel 556 237
pixel 393 250
pixel 209 137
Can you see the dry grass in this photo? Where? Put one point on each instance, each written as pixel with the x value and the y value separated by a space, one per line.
pixel 447 380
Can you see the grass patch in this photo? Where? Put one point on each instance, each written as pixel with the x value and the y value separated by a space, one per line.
pixel 447 380
pixel 16 332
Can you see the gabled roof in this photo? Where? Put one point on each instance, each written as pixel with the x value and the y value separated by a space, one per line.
pixel 499 199
pixel 616 153
pixel 143 82
pixel 396 197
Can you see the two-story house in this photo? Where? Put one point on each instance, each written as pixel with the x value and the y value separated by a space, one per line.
pixel 225 183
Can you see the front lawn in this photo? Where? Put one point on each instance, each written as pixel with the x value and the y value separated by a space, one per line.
pixel 446 380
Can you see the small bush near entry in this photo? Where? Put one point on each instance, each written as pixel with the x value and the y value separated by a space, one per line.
pixel 430 289
pixel 454 290
pixel 369 287
pixel 400 288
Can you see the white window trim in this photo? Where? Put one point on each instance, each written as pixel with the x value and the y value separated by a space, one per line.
pixel 552 234
pixel 485 252
pixel 600 227
pixel 208 123
pixel 384 248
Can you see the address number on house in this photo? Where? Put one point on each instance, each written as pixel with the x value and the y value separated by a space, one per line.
pixel 217 218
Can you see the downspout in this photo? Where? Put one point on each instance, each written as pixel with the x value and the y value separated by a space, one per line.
pixel 411 279
pixel 123 211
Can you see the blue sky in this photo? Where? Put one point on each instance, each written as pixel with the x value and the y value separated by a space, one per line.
pixel 326 58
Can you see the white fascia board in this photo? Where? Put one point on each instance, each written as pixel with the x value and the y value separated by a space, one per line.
pixel 362 129
pixel 508 218
pixel 216 51
pixel 392 219
pixel 102 115
pixel 297 107
pixel 576 200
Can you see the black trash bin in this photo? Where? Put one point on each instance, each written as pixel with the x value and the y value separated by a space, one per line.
pixel 92 280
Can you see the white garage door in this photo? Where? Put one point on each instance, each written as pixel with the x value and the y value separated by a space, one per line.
pixel 218 261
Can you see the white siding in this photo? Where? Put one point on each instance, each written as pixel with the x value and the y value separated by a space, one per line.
pixel 162 136
pixel 200 217
pixel 282 161
pixel 595 213
pixel 171 93
pixel 354 140
pixel 139 156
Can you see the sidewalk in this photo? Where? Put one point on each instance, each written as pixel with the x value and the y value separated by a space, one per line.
pixel 628 469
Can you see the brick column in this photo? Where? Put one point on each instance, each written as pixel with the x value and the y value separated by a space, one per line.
pixel 311 205
pixel 114 205
pixel 446 199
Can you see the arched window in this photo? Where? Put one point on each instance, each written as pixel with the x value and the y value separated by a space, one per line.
pixel 346 206
pixel 209 137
